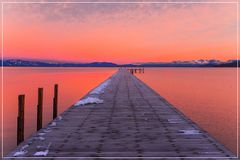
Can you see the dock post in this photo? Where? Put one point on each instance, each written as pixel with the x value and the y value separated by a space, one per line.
pixel 131 71
pixel 39 108
pixel 55 101
pixel 20 119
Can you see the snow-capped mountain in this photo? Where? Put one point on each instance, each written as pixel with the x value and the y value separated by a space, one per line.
pixel 192 63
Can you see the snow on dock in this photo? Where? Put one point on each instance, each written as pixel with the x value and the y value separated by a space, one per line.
pixel 123 117
pixel 88 100
pixel 92 97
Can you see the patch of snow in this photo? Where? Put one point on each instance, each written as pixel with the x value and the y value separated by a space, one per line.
pixel 59 118
pixel 24 147
pixel 22 151
pixel 41 134
pixel 47 130
pixel 53 124
pixel 88 100
pixel 174 120
pixel 39 138
pixel 43 153
pixel 190 132
pixel 19 153
pixel 100 89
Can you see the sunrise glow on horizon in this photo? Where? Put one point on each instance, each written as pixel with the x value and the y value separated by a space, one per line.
pixel 120 33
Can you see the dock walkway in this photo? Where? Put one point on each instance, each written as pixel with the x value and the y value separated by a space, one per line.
pixel 132 121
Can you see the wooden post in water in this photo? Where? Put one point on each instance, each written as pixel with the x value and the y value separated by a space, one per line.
pixel 20 119
pixel 55 101
pixel 131 71
pixel 39 108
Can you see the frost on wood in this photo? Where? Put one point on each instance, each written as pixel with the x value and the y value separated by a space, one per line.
pixel 190 132
pixel 47 130
pixel 59 118
pixel 174 120
pixel 53 124
pixel 24 147
pixel 89 100
pixel 41 134
pixel 100 89
pixel 44 152
pixel 92 99
pixel 39 138
pixel 19 153
pixel 41 153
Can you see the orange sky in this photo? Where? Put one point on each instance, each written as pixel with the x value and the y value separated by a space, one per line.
pixel 120 33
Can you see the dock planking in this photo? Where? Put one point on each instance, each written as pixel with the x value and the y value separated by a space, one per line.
pixel 133 121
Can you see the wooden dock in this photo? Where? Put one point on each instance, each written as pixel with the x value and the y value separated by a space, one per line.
pixel 133 121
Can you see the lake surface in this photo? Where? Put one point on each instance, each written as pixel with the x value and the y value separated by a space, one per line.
pixel 207 95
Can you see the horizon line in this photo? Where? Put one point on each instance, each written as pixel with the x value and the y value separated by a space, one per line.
pixel 84 62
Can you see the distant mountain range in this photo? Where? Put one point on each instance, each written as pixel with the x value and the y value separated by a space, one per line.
pixel 193 63
pixel 42 63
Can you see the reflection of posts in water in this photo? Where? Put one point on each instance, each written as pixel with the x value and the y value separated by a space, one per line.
pixel 20 119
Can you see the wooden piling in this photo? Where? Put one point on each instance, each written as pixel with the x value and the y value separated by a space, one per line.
pixel 20 119
pixel 40 108
pixel 55 101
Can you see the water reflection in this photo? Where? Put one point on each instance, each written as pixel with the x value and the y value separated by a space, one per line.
pixel 207 95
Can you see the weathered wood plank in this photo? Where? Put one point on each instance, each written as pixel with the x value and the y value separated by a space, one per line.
pixel 133 121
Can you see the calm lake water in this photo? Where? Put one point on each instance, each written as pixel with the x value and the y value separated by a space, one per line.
pixel 206 95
